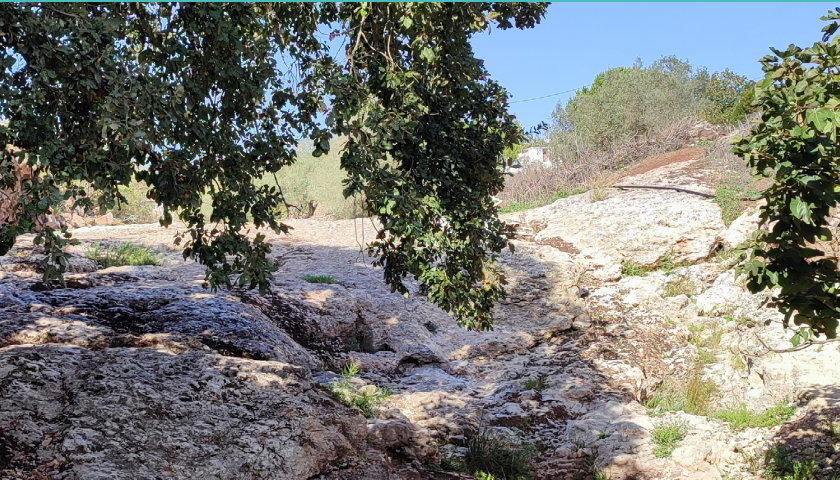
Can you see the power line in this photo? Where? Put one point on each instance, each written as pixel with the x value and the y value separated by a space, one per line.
pixel 544 96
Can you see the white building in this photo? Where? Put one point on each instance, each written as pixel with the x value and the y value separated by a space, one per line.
pixel 537 156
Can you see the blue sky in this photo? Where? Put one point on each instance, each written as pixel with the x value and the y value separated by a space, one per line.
pixel 576 41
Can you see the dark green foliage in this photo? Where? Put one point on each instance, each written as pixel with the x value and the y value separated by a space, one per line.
pixel 200 100
pixel 796 144
pixel 625 102
pixel 731 97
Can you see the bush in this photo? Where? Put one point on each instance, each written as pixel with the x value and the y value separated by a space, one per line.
pixel 666 436
pixel 367 399
pixel 731 96
pixel 121 254
pixel 781 463
pixel 624 103
pixel 495 457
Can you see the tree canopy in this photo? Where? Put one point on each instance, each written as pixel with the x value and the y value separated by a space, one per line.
pixel 795 143
pixel 198 100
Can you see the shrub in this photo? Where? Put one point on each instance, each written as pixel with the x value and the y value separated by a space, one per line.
pixel 121 254
pixel 497 457
pixel 666 436
pixel 795 146
pixel 740 418
pixel 780 463
pixel 367 399
pixel 628 102
pixel 730 95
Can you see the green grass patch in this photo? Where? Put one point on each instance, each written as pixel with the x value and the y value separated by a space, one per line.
pixel 633 269
pixel 367 398
pixel 693 395
pixel 665 400
pixel 563 193
pixel 728 198
pixel 740 418
pixel 121 254
pixel 329 279
pixel 519 206
pixel 666 436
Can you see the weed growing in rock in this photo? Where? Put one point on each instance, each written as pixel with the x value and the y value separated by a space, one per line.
pixel 740 320
pixel 328 279
pixel 740 418
pixel 691 396
pixel 598 474
pixel 538 384
pixel 667 264
pixel 367 398
pixel 681 286
pixel 834 428
pixel 633 269
pixel 737 363
pixel 698 394
pixel 121 254
pixel 498 458
pixel 666 436
pixel 703 339
pixel 780 463
pixel 705 357
pixel 665 400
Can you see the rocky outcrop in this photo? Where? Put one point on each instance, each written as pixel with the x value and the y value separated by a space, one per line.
pixel 163 382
